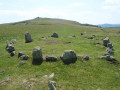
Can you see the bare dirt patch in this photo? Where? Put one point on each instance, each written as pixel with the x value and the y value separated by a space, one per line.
pixel 51 42
pixel 67 42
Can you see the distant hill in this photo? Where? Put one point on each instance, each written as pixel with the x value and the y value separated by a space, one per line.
pixel 50 21
pixel 109 25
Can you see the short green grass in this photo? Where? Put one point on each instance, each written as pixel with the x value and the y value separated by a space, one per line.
pixel 83 75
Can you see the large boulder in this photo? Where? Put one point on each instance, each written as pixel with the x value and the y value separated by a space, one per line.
pixel 54 35
pixel 51 59
pixel 28 37
pixel 69 57
pixel 106 41
pixel 37 55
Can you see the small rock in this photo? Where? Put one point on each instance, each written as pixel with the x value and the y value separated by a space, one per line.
pixel 109 45
pixel 54 35
pixel 52 85
pixel 12 53
pixel 51 59
pixel 81 34
pixel 51 75
pixel 10 48
pixel 22 63
pixel 24 57
pixel 86 58
pixel 110 51
pixel 13 41
pixel 20 54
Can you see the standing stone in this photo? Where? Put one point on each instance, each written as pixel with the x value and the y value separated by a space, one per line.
pixel 54 35
pixel 109 45
pixel 106 41
pixel 28 37
pixel 69 57
pixel 37 55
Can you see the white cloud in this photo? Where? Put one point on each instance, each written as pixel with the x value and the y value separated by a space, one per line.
pixel 79 4
pixel 111 5
pixel 112 1
pixel 42 12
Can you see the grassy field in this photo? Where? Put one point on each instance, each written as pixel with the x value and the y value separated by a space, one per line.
pixel 95 74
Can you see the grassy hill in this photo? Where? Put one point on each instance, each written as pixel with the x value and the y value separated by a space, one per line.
pixel 95 74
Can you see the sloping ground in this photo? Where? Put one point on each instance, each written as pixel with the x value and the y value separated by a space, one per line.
pixel 83 75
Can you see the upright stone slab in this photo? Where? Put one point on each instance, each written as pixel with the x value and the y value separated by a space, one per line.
pixel 69 57
pixel 106 41
pixel 37 55
pixel 28 37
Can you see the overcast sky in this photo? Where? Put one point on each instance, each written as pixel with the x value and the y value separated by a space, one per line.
pixel 83 11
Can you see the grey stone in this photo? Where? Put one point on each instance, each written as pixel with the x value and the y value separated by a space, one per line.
pixel 81 34
pixel 86 58
pixel 10 48
pixel 110 51
pixel 54 35
pixel 13 41
pixel 106 41
pixel 69 57
pixel 93 36
pixel 51 59
pixel 22 63
pixel 12 53
pixel 73 36
pixel 28 37
pixel 109 58
pixel 37 55
pixel 90 37
pixel 52 85
pixel 24 57
pixel 110 45
pixel 20 54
